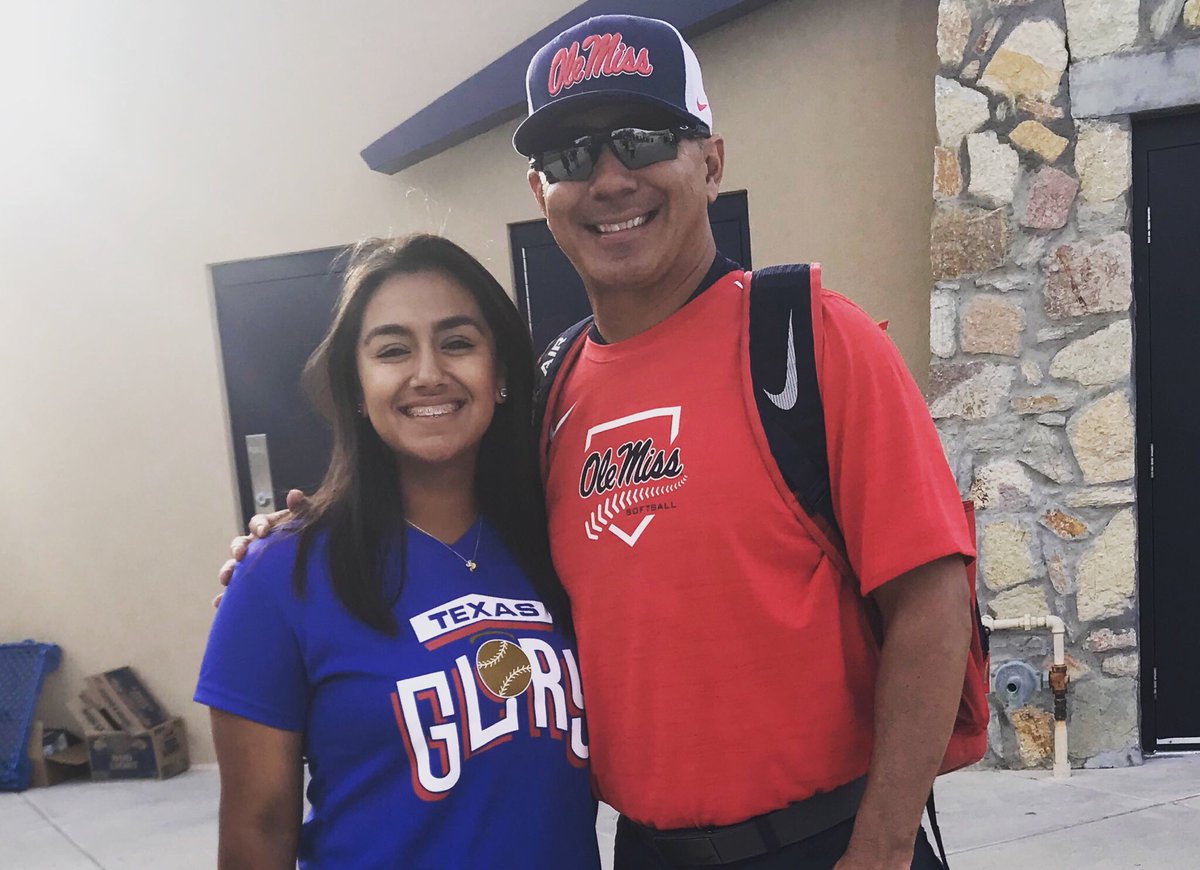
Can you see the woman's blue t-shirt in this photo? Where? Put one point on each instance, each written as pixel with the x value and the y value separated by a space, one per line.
pixel 460 742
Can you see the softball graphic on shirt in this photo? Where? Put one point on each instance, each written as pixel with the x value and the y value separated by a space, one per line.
pixel 503 668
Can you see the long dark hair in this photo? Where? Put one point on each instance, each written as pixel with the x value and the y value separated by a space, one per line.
pixel 358 504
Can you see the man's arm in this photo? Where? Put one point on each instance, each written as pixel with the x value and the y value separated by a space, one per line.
pixel 261 786
pixel 927 636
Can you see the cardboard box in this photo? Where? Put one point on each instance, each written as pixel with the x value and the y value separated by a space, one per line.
pixel 157 753
pixel 127 732
pixel 68 763
pixel 90 718
pixel 91 699
pixel 126 699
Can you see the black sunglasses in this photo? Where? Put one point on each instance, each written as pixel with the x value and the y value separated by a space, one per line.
pixel 634 147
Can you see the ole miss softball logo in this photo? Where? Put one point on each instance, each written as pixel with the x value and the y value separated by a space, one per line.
pixel 632 468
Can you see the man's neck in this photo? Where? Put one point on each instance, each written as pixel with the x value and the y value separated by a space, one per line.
pixel 625 311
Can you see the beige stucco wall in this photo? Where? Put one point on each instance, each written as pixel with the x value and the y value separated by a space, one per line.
pixel 826 115
pixel 144 142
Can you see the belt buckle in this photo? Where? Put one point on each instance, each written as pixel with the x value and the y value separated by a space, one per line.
pixel 697 849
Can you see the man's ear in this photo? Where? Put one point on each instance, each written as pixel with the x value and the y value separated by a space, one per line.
pixel 538 188
pixel 714 164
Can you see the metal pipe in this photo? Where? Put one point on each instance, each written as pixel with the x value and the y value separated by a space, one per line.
pixel 1058 675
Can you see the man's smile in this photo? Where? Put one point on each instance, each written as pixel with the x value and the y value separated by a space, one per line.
pixel 622 226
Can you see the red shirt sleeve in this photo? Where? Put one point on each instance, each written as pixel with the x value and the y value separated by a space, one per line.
pixel 893 493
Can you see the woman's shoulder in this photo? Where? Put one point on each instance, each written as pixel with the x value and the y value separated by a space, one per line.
pixel 272 559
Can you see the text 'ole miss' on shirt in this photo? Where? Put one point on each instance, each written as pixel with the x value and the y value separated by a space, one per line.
pixel 730 667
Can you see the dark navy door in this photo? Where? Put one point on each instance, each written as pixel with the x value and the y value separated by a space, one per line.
pixel 549 292
pixel 1167 286
pixel 271 314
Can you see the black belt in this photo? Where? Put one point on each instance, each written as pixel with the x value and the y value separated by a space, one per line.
pixel 759 835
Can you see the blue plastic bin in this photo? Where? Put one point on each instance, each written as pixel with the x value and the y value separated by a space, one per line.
pixel 23 666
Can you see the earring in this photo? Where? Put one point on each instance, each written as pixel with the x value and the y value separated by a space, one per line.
pixel 503 393
pixel 362 412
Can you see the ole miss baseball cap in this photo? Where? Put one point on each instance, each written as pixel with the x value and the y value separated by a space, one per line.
pixel 611 59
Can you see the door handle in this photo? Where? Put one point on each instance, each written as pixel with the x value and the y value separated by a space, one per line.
pixel 259 459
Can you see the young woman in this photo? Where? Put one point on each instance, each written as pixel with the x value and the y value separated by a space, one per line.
pixel 406 635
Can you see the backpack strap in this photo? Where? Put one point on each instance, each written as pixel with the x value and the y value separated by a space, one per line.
pixel 784 345
pixel 785 348
pixel 931 811
pixel 555 360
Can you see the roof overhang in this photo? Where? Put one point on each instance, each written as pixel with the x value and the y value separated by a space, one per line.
pixel 496 93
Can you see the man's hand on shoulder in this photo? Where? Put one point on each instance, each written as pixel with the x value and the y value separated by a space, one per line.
pixel 260 526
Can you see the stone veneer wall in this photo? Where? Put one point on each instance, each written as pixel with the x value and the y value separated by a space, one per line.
pixel 1031 337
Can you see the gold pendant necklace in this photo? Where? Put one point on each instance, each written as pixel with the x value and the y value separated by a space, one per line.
pixel 470 563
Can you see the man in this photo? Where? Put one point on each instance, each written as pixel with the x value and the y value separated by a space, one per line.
pixel 736 696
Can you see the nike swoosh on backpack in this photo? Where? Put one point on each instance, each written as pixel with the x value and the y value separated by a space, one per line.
pixel 786 400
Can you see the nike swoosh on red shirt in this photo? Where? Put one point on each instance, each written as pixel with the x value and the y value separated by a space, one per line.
pixel 554 429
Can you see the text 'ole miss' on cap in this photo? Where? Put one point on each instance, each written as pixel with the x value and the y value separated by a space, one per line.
pixel 612 59
pixel 606 55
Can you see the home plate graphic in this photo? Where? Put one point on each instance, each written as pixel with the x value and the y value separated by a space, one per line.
pixel 631 470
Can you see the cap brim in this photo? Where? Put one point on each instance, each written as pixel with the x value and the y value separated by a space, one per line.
pixel 532 131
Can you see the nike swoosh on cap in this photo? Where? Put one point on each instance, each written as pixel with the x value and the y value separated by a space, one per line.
pixel 786 399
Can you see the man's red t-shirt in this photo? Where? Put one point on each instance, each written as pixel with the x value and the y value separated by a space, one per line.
pixel 729 667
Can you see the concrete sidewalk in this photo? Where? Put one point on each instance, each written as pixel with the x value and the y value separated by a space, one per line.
pixel 1140 817
pixel 1147 817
